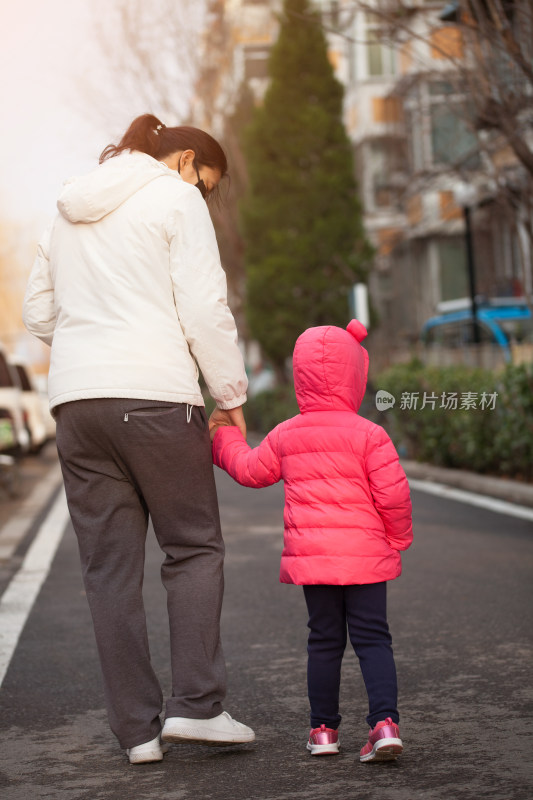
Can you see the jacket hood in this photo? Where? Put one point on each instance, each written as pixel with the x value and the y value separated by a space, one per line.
pixel 90 197
pixel 330 368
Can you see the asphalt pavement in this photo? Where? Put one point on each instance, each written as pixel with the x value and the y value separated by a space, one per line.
pixel 460 617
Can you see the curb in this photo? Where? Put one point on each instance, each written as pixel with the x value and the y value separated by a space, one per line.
pixel 500 488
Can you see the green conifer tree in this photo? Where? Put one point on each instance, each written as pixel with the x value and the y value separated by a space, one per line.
pixel 304 238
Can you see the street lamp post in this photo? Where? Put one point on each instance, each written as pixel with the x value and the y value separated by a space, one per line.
pixel 465 196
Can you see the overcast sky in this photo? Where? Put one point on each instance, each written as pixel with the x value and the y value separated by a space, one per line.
pixel 50 129
pixel 44 137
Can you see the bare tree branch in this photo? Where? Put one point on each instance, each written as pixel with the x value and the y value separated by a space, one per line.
pixel 145 57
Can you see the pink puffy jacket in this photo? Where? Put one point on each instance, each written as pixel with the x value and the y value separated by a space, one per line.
pixel 347 503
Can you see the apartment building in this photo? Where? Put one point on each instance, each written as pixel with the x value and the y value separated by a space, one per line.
pixel 239 35
pixel 414 150
pixel 417 147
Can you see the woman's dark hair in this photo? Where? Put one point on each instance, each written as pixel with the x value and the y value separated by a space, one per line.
pixel 147 134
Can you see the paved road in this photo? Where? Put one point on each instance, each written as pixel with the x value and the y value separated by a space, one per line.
pixel 461 622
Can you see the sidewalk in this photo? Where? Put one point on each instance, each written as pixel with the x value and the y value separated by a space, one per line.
pixel 500 488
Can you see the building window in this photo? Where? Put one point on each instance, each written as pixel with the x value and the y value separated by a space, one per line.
pixel 256 62
pixel 352 63
pixel 440 135
pixel 415 139
pixel 451 140
pixel 381 59
pixel 452 268
pixel 387 173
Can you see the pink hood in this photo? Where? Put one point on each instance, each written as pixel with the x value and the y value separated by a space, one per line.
pixel 330 368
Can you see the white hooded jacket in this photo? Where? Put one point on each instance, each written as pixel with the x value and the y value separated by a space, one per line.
pixel 128 289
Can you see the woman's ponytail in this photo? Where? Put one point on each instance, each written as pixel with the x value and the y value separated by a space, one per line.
pixel 149 135
pixel 143 134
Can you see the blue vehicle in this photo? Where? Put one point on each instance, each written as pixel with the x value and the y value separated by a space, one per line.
pixel 501 322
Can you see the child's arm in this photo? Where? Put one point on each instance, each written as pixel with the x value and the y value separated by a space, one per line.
pixel 255 468
pixel 390 489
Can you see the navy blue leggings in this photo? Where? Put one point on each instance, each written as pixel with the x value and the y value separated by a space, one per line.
pixel 363 610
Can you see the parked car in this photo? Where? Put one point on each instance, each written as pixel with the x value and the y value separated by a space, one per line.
pixel 31 404
pixel 501 322
pixel 8 434
pixel 15 437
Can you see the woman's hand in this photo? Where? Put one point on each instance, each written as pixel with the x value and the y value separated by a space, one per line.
pixel 230 416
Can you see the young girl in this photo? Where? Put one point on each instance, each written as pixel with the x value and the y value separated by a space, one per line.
pixel 347 516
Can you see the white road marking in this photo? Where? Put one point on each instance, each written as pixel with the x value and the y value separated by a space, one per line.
pixel 19 597
pixel 483 501
pixel 16 528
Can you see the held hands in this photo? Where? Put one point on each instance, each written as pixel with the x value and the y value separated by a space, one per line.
pixel 231 416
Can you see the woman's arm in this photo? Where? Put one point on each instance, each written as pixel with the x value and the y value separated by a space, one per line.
pixel 256 468
pixel 38 311
pixel 200 294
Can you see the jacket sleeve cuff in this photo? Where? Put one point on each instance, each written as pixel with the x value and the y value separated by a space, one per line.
pixel 227 405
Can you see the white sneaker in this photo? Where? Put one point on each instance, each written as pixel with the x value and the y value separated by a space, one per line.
pixel 218 731
pixel 149 751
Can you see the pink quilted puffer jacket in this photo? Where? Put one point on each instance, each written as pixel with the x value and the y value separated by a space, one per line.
pixel 347 503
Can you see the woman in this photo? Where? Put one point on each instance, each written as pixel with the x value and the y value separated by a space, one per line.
pixel 128 290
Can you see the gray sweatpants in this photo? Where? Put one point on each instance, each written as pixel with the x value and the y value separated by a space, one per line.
pixel 123 460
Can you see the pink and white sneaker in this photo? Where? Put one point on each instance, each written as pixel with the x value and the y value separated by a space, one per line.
pixel 323 742
pixel 384 743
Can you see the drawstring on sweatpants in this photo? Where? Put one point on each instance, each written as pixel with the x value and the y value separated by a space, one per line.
pixel 189 413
